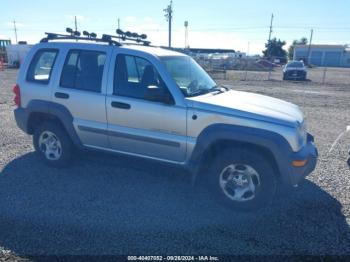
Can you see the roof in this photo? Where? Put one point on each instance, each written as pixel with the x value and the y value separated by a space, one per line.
pixel 322 46
pixel 204 50
pixel 157 51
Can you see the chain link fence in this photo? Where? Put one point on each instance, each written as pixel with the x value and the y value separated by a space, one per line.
pixel 319 75
pixel 262 70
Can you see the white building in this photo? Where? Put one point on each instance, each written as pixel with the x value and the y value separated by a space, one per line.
pixel 323 55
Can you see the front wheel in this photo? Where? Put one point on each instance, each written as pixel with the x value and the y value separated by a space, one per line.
pixel 52 144
pixel 243 180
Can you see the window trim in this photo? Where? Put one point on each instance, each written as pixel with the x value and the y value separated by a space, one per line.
pixel 139 98
pixel 41 50
pixel 79 52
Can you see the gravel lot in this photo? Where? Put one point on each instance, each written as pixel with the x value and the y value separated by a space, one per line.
pixel 116 205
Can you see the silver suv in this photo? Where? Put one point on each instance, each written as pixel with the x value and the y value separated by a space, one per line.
pixel 158 104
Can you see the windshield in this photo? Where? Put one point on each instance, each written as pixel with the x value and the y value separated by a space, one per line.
pixel 296 64
pixel 189 76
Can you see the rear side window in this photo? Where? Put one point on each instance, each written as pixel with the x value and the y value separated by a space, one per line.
pixel 41 66
pixel 83 70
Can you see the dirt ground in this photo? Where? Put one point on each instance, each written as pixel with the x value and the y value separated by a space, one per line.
pixel 116 205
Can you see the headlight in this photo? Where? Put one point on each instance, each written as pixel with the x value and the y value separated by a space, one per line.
pixel 302 133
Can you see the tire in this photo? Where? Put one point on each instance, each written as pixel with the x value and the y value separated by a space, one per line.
pixel 284 77
pixel 262 175
pixel 54 135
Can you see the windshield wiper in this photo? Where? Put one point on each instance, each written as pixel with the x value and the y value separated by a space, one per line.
pixel 199 92
pixel 220 89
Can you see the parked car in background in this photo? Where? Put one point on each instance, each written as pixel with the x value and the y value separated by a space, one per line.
pixel 294 70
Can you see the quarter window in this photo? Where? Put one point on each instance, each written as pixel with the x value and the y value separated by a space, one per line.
pixel 83 70
pixel 41 66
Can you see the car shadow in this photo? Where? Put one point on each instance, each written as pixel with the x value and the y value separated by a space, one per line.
pixel 121 205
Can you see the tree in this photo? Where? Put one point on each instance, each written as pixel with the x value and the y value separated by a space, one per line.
pixel 301 41
pixel 274 49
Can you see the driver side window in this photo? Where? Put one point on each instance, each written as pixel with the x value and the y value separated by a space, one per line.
pixel 134 75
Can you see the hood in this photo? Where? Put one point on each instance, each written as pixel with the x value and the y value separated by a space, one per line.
pixel 250 105
pixel 294 69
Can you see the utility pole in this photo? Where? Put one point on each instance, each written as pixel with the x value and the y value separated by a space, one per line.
pixel 271 27
pixel 268 46
pixel 15 29
pixel 186 35
pixel 118 23
pixel 75 23
pixel 169 16
pixel 270 34
pixel 309 49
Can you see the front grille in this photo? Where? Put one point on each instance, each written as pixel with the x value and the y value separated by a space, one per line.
pixel 295 73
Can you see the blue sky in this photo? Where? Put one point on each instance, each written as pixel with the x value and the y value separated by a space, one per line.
pixel 215 23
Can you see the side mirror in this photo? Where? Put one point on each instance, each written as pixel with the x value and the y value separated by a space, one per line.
pixel 158 94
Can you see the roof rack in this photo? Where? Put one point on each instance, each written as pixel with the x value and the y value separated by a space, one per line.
pixel 129 36
pixel 121 35
pixel 76 35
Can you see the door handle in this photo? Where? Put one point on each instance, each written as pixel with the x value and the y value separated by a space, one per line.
pixel 61 95
pixel 120 105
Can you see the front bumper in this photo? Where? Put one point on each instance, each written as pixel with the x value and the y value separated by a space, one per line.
pixel 308 152
pixel 295 74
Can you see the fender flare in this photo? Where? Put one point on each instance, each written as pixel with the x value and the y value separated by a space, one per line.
pixel 57 110
pixel 271 141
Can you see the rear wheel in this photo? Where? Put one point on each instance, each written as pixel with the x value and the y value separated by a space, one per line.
pixel 52 144
pixel 242 180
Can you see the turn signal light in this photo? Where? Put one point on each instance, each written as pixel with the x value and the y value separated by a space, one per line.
pixel 299 163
